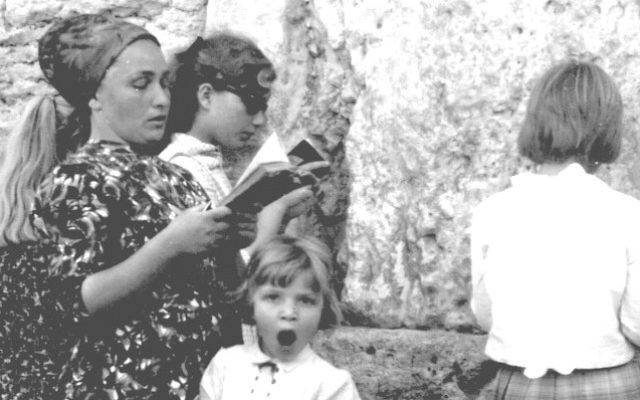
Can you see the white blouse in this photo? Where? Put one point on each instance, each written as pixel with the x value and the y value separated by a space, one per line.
pixel 245 372
pixel 203 160
pixel 555 273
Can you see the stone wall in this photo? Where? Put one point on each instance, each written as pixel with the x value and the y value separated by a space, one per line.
pixel 22 22
pixel 407 364
pixel 416 103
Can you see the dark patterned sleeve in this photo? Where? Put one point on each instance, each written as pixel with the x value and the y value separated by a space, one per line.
pixel 69 215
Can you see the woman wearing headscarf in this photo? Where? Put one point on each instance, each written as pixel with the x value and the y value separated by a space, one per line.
pixel 132 272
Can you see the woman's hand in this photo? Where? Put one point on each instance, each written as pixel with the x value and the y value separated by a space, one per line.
pixel 271 218
pixel 314 167
pixel 193 231
pixel 197 229
pixel 244 228
pixel 291 205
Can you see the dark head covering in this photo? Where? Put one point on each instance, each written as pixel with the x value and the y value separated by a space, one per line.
pixel 76 52
pixel 227 61
pixel 235 64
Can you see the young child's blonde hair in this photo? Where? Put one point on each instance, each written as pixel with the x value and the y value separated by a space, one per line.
pixel 575 111
pixel 283 259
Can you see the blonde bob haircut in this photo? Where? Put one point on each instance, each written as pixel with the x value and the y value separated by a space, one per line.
pixel 283 259
pixel 574 112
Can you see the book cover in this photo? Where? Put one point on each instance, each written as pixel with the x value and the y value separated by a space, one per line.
pixel 273 173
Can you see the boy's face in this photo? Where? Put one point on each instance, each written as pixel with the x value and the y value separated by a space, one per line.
pixel 287 318
pixel 229 124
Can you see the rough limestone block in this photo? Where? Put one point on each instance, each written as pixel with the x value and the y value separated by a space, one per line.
pixel 175 23
pixel 405 364
pixel 314 94
pixel 444 88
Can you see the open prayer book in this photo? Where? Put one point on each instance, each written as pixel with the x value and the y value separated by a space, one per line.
pixel 273 173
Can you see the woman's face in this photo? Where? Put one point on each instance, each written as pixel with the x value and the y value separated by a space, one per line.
pixel 132 101
pixel 228 123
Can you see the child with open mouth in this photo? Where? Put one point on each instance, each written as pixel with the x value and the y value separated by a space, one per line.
pixel 288 296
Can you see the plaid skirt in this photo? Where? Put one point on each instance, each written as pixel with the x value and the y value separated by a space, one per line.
pixel 615 383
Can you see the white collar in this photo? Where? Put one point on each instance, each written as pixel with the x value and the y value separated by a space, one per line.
pixel 189 145
pixel 258 357
pixel 573 172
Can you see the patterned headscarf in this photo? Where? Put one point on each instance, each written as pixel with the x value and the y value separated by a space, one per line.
pixel 237 65
pixel 76 52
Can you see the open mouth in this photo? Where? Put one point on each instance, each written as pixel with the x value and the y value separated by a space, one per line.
pixel 286 337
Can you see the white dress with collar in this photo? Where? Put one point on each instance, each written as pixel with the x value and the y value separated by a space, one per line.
pixel 245 372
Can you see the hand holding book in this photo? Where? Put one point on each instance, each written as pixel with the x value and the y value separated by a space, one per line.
pixel 269 181
pixel 270 220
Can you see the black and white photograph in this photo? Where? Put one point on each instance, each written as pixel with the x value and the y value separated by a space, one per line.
pixel 319 200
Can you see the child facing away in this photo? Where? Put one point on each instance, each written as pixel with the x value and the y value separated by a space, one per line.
pixel 556 257
pixel 287 295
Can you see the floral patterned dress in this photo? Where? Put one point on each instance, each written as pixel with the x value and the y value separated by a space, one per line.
pixel 26 368
pixel 100 206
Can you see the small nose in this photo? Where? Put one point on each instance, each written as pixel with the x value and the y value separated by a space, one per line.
pixel 259 118
pixel 289 311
